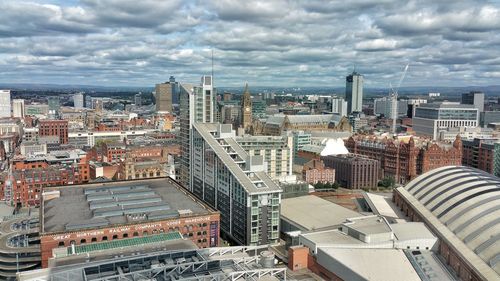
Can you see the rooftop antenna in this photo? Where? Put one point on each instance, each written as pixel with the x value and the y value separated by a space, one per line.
pixel 212 66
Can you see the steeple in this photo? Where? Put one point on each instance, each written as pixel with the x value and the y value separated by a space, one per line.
pixel 246 108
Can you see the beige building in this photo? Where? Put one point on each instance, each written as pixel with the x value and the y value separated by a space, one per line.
pixel 276 150
pixel 164 97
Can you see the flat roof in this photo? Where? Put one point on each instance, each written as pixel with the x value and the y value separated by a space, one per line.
pixel 382 205
pixel 298 211
pixel 369 264
pixel 98 205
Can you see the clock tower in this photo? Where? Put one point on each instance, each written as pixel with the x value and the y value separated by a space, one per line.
pixel 246 109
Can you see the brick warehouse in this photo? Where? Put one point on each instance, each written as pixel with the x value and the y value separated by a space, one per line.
pixel 406 158
pixel 90 213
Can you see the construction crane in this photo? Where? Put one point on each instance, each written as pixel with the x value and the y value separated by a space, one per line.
pixel 394 99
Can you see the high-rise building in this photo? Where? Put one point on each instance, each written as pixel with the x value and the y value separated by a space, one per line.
pixel 79 100
pixel 167 94
pixel 354 92
pixel 197 104
pixel 246 109
pixel 383 106
pixel 339 106
pixel 5 103
pixel 138 99
pixel 231 181
pixel 18 108
pixel 474 98
pixel 431 118
pixel 276 150
pixel 54 107
pixel 88 101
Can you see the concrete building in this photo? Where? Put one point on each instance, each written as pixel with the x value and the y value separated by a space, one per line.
pixel 383 106
pixel 481 154
pixel 59 128
pixel 228 179
pixel 92 213
pixel 431 118
pixel 488 117
pixel 162 257
pixel 278 124
pixel 339 106
pixel 412 105
pixel 33 148
pixel 474 98
pixel 53 108
pixel 19 243
pixel 90 138
pixel 369 248
pixel 466 133
pixel 354 171
pixel 300 139
pixel 18 108
pixel 354 92
pixel 197 105
pixel 5 109
pixel 459 205
pixel 138 99
pixel 79 100
pixel 404 158
pixel 276 151
pixel 164 95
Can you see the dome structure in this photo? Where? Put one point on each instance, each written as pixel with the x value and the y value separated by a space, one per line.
pixel 467 202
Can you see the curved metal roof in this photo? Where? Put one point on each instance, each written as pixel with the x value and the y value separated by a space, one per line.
pixel 467 202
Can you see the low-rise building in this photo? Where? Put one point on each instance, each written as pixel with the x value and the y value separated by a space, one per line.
pixel 92 213
pixel 315 171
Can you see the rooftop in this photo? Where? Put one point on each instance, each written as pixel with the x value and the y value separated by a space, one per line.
pixel 369 264
pixel 116 203
pixel 297 211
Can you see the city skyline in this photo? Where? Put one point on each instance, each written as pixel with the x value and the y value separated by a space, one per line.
pixel 130 43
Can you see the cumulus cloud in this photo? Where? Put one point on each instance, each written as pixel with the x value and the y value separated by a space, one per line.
pixel 281 43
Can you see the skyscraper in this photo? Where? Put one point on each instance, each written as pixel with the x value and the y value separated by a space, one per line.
pixel 197 105
pixel 474 98
pixel 5 103
pixel 18 108
pixel 354 92
pixel 246 109
pixel 54 105
pixel 339 106
pixel 79 100
pixel 167 94
pixel 138 99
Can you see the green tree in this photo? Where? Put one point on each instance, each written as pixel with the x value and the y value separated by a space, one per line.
pixel 387 182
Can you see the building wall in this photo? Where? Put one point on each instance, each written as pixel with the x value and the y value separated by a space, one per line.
pixel 405 161
pixel 164 97
pixel 450 256
pixel 54 128
pixel 203 230
pixel 478 154
pixel 354 171
pixel 5 103
pixel 246 218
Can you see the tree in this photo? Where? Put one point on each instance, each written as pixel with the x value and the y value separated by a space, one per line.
pixel 387 182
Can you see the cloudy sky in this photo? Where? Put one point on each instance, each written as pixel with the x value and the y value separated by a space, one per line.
pixel 267 43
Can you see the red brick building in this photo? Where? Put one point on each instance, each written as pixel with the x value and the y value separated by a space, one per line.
pixel 315 171
pixel 84 225
pixel 480 154
pixel 404 160
pixel 54 128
